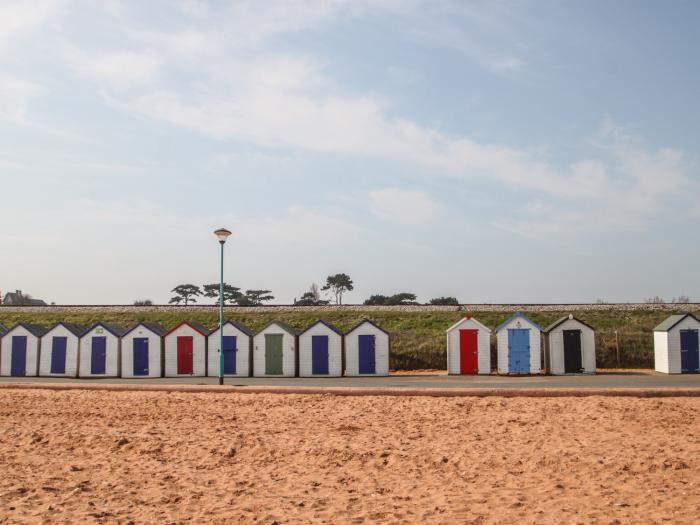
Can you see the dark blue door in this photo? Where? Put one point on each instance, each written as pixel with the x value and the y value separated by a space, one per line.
pixel 229 354
pixel 690 360
pixel 319 354
pixel 140 356
pixel 519 351
pixel 366 354
pixel 18 362
pixel 98 359
pixel 58 355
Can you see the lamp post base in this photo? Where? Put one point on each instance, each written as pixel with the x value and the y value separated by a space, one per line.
pixel 221 380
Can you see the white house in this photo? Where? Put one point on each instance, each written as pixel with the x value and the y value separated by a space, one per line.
pixel 468 347
pixel 100 354
pixel 321 351
pixel 20 350
pixel 275 351
pixel 518 340
pixel 238 345
pixel 366 350
pixel 569 347
pixel 186 350
pixel 676 345
pixel 60 349
pixel 142 351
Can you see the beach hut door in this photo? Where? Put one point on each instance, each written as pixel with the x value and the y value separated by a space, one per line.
pixel 184 354
pixel 518 351
pixel 18 364
pixel 468 352
pixel 366 351
pixel 573 362
pixel 690 360
pixel 98 361
pixel 140 356
pixel 58 355
pixel 273 354
pixel 229 354
pixel 319 354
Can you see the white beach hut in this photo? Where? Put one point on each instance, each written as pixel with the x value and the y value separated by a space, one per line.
pixel 321 351
pixel 676 345
pixel 100 354
pixel 142 351
pixel 569 347
pixel 60 349
pixel 518 341
pixel 468 347
pixel 275 351
pixel 186 350
pixel 20 350
pixel 366 350
pixel 238 346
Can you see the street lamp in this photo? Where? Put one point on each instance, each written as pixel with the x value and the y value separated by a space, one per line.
pixel 221 234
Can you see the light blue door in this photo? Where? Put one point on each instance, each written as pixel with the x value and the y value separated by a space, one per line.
pixel 519 351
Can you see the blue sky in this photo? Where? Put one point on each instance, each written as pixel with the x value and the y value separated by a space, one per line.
pixel 494 151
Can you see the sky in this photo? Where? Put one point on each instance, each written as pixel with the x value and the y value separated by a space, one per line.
pixel 495 151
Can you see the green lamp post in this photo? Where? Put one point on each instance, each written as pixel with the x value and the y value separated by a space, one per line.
pixel 222 234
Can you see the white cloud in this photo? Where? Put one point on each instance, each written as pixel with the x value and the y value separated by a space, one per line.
pixel 403 206
pixel 119 69
pixel 16 96
pixel 19 18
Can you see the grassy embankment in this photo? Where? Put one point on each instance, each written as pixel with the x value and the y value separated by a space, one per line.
pixel 417 338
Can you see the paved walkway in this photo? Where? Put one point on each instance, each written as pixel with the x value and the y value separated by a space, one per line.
pixel 637 380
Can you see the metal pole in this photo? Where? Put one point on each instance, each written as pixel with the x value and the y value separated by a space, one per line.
pixel 617 349
pixel 221 318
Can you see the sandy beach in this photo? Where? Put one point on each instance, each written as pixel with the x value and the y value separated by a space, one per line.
pixel 140 457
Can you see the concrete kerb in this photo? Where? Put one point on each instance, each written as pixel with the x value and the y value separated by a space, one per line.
pixel 358 391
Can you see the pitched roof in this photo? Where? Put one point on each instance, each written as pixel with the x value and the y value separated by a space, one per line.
pixel 363 322
pixel 197 326
pixel 325 323
pixel 243 328
pixel 153 327
pixel 33 329
pixel 672 321
pixel 515 316
pixel 113 329
pixel 13 298
pixel 74 329
pixel 3 330
pixel 468 318
pixel 286 327
pixel 561 320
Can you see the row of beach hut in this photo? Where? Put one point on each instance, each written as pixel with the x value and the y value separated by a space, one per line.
pixel 191 350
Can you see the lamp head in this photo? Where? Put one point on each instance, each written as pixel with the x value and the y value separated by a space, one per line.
pixel 222 234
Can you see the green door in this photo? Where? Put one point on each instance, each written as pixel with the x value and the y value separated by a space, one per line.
pixel 273 354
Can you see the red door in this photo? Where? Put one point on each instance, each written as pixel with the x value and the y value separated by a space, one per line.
pixel 184 354
pixel 468 352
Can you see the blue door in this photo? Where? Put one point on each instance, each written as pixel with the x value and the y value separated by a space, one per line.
pixel 366 355
pixel 229 354
pixel 18 362
pixel 690 360
pixel 519 351
pixel 58 355
pixel 319 354
pixel 140 356
pixel 98 359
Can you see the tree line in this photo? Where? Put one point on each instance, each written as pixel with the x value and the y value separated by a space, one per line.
pixel 335 287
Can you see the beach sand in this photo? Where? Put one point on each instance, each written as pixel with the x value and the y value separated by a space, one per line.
pixel 157 457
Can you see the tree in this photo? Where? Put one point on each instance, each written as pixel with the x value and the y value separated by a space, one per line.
pixel 187 293
pixel 445 301
pixel 681 299
pixel 311 298
pixel 255 297
pixel 175 300
pixel 377 299
pixel 231 293
pixel 143 302
pixel 654 300
pixel 338 284
pixel 402 298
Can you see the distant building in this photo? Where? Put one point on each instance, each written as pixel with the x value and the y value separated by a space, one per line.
pixel 18 299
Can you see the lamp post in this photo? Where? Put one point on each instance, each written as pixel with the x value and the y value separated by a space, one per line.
pixel 222 234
